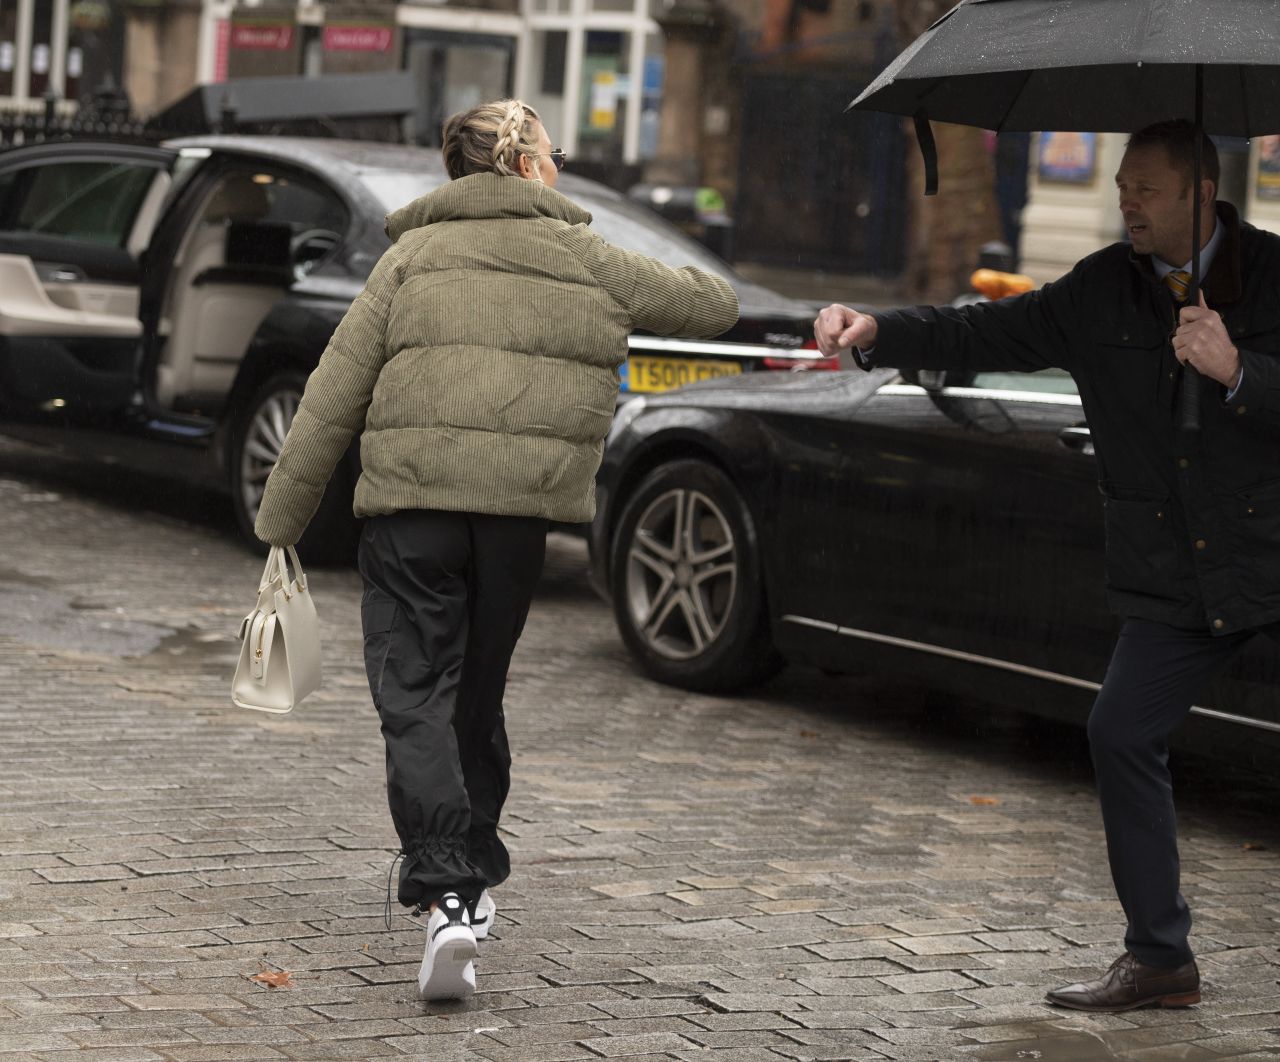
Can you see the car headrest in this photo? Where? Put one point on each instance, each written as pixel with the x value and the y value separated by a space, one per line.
pixel 237 198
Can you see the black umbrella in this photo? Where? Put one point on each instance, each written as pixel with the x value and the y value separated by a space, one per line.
pixel 1095 66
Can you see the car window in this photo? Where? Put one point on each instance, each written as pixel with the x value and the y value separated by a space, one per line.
pixel 90 202
pixel 1047 381
pixel 264 205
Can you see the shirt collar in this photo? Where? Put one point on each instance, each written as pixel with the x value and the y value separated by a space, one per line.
pixel 1163 268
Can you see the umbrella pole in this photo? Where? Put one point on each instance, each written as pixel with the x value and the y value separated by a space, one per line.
pixel 1189 393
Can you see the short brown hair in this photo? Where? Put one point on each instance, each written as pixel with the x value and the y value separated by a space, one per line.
pixel 489 138
pixel 1178 136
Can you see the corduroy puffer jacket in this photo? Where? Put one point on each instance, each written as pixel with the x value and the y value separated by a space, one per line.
pixel 480 362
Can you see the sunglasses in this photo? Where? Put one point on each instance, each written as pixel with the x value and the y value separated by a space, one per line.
pixel 558 156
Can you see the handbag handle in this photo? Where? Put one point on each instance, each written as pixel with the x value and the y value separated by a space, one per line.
pixel 277 567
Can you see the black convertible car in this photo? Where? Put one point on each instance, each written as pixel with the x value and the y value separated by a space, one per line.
pixel 853 519
pixel 162 306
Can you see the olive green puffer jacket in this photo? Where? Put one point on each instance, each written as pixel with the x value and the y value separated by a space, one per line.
pixel 480 363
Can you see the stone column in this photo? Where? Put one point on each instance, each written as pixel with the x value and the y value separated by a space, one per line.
pixel 691 28
pixel 161 42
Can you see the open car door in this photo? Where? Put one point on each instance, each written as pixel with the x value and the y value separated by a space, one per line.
pixel 75 222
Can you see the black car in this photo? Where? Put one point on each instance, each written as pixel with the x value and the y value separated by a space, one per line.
pixel 162 306
pixel 860 521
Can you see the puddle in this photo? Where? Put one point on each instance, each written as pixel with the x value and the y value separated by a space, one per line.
pixel 47 619
pixel 1063 1047
pixel 193 647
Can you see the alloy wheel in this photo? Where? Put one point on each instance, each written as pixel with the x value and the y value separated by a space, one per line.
pixel 263 440
pixel 682 574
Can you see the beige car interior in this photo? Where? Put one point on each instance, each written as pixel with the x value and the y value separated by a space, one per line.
pixel 209 319
pixel 61 304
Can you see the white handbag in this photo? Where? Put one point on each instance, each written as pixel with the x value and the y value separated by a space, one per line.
pixel 279 640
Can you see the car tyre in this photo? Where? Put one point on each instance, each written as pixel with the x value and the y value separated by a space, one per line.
pixel 256 438
pixel 686 584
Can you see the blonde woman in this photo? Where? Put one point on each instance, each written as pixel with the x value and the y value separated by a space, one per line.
pixel 480 367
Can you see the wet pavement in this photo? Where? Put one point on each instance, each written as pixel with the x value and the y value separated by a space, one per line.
pixel 826 868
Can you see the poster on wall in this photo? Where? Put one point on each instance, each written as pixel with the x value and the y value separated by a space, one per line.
pixel 604 100
pixel 1067 158
pixel 1268 180
pixel 599 108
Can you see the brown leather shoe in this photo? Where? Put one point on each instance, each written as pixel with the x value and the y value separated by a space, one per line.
pixel 1128 984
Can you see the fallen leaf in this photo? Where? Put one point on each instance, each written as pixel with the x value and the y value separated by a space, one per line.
pixel 1249 846
pixel 274 979
pixel 809 733
pixel 983 800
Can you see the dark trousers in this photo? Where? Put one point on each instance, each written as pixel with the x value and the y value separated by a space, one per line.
pixel 1155 674
pixel 445 599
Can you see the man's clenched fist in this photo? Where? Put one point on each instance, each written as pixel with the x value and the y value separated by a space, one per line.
pixel 838 328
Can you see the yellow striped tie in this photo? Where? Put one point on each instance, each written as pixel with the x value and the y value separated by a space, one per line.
pixel 1179 282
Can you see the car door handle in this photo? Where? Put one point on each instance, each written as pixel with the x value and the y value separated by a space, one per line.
pixel 1078 438
pixel 62 274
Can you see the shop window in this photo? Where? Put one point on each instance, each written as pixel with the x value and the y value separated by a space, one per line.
pixel 8 46
pixel 455 72
pixel 41 52
pixel 555 49
pixel 606 88
pixel 95 47
pixel 549 57
pixel 651 96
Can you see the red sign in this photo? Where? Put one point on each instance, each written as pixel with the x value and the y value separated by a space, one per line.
pixel 358 38
pixel 262 37
pixel 221 48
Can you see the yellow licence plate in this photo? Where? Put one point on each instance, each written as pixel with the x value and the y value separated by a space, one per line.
pixel 664 374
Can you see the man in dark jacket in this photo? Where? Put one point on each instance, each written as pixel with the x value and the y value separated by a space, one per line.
pixel 1192 518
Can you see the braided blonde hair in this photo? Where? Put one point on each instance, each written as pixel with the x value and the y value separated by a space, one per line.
pixel 490 138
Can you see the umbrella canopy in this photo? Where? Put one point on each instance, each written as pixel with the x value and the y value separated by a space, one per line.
pixel 1090 65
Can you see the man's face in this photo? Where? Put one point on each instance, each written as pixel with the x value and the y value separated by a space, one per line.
pixel 1155 200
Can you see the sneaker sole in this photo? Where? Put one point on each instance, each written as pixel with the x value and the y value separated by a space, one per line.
pixel 443 974
pixel 480 927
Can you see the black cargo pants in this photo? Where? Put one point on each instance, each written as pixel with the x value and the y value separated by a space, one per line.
pixel 445 599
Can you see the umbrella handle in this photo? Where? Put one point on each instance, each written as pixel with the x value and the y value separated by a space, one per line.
pixel 1189 400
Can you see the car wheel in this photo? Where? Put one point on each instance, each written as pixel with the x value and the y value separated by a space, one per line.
pixel 687 590
pixel 257 437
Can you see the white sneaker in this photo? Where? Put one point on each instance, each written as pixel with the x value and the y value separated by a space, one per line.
pixel 482 917
pixel 448 970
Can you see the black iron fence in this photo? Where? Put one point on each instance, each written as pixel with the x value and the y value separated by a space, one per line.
pixel 107 115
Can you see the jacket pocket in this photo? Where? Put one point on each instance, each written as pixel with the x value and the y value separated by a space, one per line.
pixel 1259 330
pixel 1130 354
pixel 1142 546
pixel 1258 509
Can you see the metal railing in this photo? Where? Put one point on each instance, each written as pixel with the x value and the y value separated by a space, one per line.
pixel 108 116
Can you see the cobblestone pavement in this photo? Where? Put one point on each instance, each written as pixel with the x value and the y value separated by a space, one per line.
pixel 825 869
